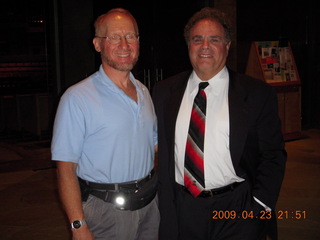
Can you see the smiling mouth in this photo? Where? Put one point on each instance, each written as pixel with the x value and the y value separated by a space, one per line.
pixel 205 55
pixel 123 55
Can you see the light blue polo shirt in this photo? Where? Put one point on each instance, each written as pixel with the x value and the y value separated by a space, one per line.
pixel 108 134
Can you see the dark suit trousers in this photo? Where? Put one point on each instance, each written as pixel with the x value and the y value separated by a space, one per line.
pixel 212 218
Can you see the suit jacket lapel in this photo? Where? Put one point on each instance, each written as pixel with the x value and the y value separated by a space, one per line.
pixel 239 123
pixel 238 111
pixel 172 108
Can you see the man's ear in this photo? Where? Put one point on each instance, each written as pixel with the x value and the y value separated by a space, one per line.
pixel 96 44
pixel 228 47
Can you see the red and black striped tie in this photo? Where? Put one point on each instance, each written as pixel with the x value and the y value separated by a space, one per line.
pixel 194 165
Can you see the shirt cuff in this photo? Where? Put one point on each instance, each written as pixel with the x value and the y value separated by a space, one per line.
pixel 262 204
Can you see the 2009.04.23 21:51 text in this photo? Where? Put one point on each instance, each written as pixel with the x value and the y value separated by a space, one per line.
pixel 280 214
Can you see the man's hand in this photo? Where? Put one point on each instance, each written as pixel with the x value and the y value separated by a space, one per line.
pixel 82 233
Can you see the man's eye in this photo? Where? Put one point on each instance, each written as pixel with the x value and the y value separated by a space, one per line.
pixel 214 40
pixel 197 40
pixel 130 36
pixel 115 37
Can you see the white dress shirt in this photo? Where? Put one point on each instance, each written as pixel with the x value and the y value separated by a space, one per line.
pixel 218 167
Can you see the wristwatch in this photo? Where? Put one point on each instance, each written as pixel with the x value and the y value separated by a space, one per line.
pixel 78 223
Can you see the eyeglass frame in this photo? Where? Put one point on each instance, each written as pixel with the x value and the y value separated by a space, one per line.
pixel 137 37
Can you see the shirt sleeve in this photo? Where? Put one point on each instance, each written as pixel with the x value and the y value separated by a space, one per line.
pixel 68 131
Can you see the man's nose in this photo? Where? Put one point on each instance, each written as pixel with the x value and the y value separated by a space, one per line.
pixel 123 42
pixel 205 44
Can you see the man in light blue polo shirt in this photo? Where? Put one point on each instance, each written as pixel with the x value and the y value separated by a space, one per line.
pixel 104 142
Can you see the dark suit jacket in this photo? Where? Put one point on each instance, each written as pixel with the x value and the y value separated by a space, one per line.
pixel 256 142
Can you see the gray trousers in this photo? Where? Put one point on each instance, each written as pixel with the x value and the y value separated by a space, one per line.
pixel 107 222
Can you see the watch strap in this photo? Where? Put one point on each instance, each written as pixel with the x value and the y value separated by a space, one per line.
pixel 78 223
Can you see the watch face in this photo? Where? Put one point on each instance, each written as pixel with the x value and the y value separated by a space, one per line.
pixel 76 224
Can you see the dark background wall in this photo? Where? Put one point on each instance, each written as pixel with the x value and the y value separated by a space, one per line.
pixel 295 21
pixel 163 49
pixel 64 40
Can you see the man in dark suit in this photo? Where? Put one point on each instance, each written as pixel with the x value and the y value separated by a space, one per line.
pixel 220 170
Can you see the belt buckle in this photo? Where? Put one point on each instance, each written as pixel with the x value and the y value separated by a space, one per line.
pixel 207 193
pixel 137 185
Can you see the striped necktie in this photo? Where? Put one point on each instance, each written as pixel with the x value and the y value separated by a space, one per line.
pixel 194 164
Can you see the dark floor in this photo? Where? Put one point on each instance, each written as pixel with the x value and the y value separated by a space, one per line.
pixel 29 206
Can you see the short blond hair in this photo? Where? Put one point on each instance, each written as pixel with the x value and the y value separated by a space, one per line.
pixel 99 21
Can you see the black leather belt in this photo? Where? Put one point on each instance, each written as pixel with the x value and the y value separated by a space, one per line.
pixel 217 191
pixel 125 196
pixel 212 192
pixel 118 186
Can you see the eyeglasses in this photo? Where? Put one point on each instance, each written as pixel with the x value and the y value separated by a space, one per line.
pixel 116 39
pixel 214 40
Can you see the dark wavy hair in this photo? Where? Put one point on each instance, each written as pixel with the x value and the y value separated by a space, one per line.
pixel 211 14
